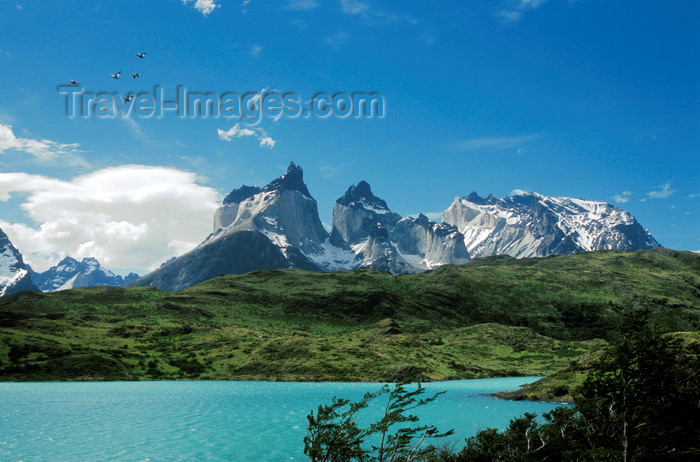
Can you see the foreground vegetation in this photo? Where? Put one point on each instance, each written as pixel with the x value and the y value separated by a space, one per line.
pixel 492 317
pixel 638 403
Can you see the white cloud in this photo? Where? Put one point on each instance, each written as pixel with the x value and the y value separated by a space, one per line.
pixel 353 6
pixel 44 150
pixel 203 6
pixel 234 132
pixel 255 50
pixel 131 216
pixel 266 142
pixel 494 143
pixel 239 132
pixel 511 16
pixel 299 5
pixel 623 197
pixel 335 41
pixel 513 10
pixel 519 192
pixel 663 193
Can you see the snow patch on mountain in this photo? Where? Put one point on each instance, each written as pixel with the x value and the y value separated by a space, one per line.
pixel 70 273
pixel 14 274
pixel 277 226
pixel 332 258
pixel 535 225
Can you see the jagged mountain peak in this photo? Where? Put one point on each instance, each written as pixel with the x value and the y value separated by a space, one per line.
pixel 14 273
pixel 293 180
pixel 277 226
pixel 475 198
pixel 423 220
pixel 362 196
pixel 241 194
pixel 536 225
pixel 355 214
pixel 70 273
pixel 68 261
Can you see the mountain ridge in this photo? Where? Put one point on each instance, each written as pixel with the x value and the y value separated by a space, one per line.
pixel 535 225
pixel 365 232
pixel 70 273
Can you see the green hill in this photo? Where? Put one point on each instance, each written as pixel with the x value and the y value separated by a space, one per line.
pixel 492 317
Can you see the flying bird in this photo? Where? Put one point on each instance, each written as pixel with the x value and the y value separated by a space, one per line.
pixel 128 98
pixel 141 55
pixel 74 82
pixel 136 74
pixel 116 76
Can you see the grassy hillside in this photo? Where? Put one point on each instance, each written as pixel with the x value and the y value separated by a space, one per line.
pixel 491 317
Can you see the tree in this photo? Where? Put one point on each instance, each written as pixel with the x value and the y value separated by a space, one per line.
pixel 559 438
pixel 642 399
pixel 640 402
pixel 333 433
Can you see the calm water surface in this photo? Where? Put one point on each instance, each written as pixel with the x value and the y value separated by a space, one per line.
pixel 210 421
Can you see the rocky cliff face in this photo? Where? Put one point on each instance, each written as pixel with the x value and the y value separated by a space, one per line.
pixel 356 213
pixel 383 240
pixel 277 226
pixel 427 244
pixel 284 210
pixel 14 274
pixel 380 253
pixel 535 225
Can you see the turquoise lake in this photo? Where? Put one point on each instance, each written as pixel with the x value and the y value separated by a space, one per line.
pixel 211 421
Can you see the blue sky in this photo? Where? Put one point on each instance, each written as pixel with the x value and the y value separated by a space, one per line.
pixel 582 98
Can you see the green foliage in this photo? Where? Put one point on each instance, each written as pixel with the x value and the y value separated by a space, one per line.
pixel 640 402
pixel 491 317
pixel 526 440
pixel 333 433
pixel 642 399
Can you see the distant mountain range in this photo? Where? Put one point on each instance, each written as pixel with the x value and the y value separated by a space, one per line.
pixel 278 226
pixel 70 273
pixel 16 276
pixel 535 225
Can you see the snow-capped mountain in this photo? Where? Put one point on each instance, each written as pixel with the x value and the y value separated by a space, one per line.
pixel 356 213
pixel 535 225
pixel 277 226
pixel 14 274
pixel 364 223
pixel 70 273
pixel 284 211
pixel 378 252
pixel 426 244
